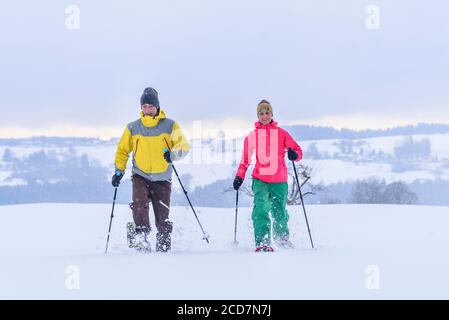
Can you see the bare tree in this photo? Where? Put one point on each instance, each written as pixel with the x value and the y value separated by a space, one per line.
pixel 400 193
pixel 307 188
pixel 374 190
pixel 370 190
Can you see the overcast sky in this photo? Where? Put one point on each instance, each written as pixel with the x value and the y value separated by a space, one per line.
pixel 316 61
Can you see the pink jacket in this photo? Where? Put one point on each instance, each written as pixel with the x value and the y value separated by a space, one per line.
pixel 270 143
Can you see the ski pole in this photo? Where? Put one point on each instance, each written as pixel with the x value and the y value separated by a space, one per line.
pixel 205 236
pixel 110 221
pixel 302 202
pixel 236 211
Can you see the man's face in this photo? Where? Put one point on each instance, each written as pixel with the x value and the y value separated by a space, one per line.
pixel 264 116
pixel 149 110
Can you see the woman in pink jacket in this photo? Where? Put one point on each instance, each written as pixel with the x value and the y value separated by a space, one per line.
pixel 269 185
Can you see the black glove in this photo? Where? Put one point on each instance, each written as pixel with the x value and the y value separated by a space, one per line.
pixel 237 182
pixel 292 155
pixel 116 178
pixel 167 156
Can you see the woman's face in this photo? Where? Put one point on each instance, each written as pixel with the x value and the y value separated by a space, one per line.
pixel 265 116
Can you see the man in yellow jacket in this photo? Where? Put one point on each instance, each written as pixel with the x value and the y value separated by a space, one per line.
pixel 155 142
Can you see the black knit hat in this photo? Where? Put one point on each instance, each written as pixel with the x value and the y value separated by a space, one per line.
pixel 149 96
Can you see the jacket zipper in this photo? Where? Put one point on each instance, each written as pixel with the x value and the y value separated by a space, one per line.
pixel 137 146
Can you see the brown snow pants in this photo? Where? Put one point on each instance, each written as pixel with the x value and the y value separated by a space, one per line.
pixel 158 192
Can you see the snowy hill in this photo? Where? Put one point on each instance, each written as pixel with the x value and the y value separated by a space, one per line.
pixel 78 170
pixel 216 159
pixel 333 160
pixel 362 251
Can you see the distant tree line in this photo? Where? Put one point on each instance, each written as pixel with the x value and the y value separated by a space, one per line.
pixel 308 132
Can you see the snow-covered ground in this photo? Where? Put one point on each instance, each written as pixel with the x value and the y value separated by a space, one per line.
pixel 362 252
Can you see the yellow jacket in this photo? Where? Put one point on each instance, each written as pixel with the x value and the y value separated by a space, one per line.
pixel 147 138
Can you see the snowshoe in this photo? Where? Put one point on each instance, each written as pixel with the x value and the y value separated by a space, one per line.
pixel 130 234
pixel 264 248
pixel 138 239
pixel 163 242
pixel 284 243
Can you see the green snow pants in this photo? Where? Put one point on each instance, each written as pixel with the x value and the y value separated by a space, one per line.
pixel 269 197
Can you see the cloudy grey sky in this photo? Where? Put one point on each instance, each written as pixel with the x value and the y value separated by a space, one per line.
pixel 316 61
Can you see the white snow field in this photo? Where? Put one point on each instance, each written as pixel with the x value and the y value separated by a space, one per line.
pixel 56 251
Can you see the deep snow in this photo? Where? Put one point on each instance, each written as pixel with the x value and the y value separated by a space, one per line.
pixel 362 251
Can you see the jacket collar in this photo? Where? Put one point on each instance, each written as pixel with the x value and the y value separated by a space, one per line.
pixel 149 121
pixel 272 125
